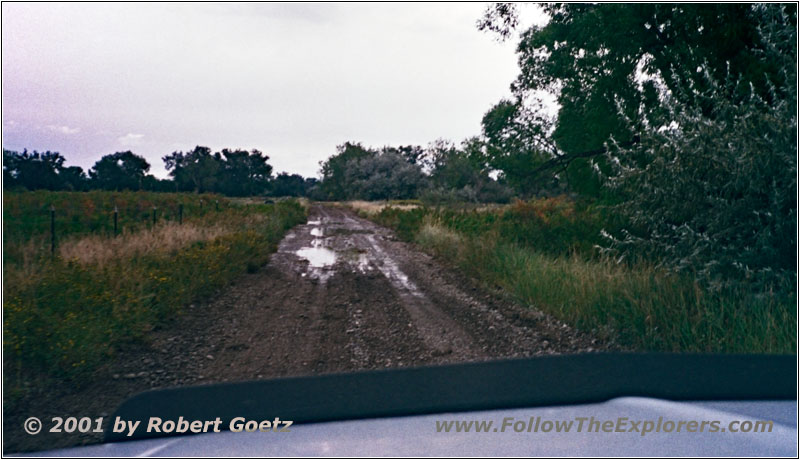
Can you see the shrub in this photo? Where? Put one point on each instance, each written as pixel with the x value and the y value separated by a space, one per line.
pixel 711 190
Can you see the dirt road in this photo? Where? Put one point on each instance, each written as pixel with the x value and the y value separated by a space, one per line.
pixel 340 294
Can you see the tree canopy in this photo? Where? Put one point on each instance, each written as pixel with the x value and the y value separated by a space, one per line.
pixel 364 173
pixel 34 170
pixel 681 115
pixel 232 172
pixel 119 171
pixel 611 65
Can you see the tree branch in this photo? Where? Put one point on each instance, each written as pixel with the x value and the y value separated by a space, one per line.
pixel 564 161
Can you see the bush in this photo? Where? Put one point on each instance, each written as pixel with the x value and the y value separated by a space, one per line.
pixel 711 190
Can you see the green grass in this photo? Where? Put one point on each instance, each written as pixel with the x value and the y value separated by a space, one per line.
pixel 63 318
pixel 26 215
pixel 555 226
pixel 542 254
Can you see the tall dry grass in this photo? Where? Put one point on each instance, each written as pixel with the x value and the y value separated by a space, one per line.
pixel 165 238
pixel 433 234
pixel 369 208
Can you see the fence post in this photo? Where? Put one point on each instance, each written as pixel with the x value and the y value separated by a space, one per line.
pixel 154 215
pixel 116 213
pixel 52 230
pixel 216 202
pixel 180 213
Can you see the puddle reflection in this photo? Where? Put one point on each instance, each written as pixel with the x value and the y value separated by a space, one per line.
pixel 318 257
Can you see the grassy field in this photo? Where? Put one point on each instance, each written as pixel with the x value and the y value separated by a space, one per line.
pixel 64 314
pixel 544 253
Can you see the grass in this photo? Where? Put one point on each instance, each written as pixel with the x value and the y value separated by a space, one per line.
pixel 66 315
pixel 542 252
pixel 26 216
pixel 369 208
pixel 167 238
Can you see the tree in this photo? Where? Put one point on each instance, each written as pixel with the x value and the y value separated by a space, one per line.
pixel 285 184
pixel 10 169
pixel 243 173
pixel 34 171
pixel 334 184
pixel 611 63
pixel 74 179
pixel 356 172
pixel 517 143
pixel 711 190
pixel 500 18
pixel 412 154
pixel 195 170
pixel 461 174
pixel 154 184
pixel 383 176
pixel 119 171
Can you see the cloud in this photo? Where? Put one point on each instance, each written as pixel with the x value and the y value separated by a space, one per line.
pixel 63 129
pixel 130 139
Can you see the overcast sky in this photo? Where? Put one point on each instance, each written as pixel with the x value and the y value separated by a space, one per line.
pixel 292 80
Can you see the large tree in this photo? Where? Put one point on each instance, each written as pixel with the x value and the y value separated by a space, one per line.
pixel 195 170
pixel 74 178
pixel 413 154
pixel 357 172
pixel 119 171
pixel 285 184
pixel 610 66
pixel 36 170
pixel 462 174
pixel 517 143
pixel 696 104
pixel 335 184
pixel 243 173
pixel 386 175
pixel 712 188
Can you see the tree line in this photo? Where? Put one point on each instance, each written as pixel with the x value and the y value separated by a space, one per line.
pixel 232 172
pixel 442 171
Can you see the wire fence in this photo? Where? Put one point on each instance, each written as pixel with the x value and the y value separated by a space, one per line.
pixel 151 219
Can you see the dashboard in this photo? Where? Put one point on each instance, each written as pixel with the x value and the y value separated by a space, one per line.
pixel 616 404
